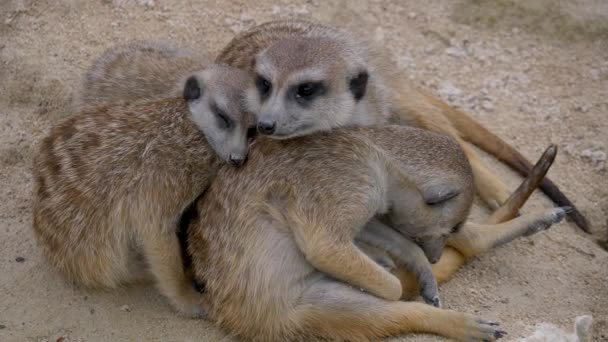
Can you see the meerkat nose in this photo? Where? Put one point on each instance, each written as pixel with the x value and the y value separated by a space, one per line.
pixel 236 161
pixel 267 127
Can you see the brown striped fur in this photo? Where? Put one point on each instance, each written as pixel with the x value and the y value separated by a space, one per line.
pixel 112 182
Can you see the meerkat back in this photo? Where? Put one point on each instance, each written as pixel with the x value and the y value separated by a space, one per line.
pixel 137 70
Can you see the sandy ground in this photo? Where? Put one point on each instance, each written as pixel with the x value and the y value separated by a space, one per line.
pixel 534 72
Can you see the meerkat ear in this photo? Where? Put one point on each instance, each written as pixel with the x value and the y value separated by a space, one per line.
pixel 358 85
pixel 192 89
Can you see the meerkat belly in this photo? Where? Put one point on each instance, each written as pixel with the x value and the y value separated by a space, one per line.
pixel 265 279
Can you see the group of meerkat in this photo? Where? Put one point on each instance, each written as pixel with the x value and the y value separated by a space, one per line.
pixel 316 226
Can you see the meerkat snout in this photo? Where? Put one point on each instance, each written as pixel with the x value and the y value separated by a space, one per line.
pixel 267 126
pixel 192 90
pixel 236 160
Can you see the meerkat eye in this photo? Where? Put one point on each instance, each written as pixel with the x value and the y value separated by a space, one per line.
pixel 264 86
pixel 310 90
pixel 224 120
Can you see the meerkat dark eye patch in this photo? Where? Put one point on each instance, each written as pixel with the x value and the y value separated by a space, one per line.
pixel 192 89
pixel 264 86
pixel 307 91
pixel 224 121
pixel 358 85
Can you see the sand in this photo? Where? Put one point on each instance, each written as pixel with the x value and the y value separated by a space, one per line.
pixel 534 72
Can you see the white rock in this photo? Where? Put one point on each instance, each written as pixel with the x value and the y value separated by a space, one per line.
pixel 487 105
pixel 455 51
pixel 447 89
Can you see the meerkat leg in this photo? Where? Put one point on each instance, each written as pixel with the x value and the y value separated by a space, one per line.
pixel 328 244
pixel 345 261
pixel 405 253
pixel 475 238
pixel 163 255
pixel 334 310
pixel 451 260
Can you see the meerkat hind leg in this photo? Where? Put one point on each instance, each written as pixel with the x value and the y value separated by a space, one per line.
pixel 334 310
pixel 476 238
pixel 163 254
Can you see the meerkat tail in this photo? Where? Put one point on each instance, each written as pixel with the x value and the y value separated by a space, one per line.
pixel 509 209
pixel 474 132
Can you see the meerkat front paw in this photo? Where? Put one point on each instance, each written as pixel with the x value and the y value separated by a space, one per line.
pixel 429 290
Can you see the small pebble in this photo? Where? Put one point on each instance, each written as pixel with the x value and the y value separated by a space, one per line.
pixel 125 308
pixel 487 105
pixel 455 52
pixel 19 259
pixel 447 89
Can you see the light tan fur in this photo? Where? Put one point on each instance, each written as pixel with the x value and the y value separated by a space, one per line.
pixel 111 184
pixel 137 70
pixel 273 242
pixel 290 53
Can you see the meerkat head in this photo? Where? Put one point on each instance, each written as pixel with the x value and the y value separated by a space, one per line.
pixel 215 97
pixel 304 85
pixel 446 207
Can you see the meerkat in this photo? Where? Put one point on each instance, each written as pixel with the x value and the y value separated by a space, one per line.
pixel 137 70
pixel 273 242
pixel 111 183
pixel 313 77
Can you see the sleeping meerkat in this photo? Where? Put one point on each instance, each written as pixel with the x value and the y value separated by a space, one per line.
pixel 273 242
pixel 137 70
pixel 313 77
pixel 111 183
